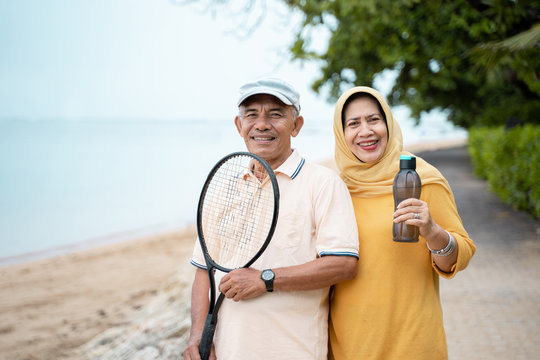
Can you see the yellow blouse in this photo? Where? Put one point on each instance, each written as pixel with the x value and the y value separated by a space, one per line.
pixel 392 310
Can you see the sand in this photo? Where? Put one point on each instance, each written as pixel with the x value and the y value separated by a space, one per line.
pixel 51 306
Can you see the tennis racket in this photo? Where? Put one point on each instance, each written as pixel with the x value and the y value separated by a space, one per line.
pixel 236 218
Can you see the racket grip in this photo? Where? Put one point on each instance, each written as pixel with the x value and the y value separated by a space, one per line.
pixel 207 337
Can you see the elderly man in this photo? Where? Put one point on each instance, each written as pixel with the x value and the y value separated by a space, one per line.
pixel 278 308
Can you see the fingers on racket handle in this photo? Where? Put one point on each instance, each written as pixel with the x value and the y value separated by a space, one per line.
pixel 207 338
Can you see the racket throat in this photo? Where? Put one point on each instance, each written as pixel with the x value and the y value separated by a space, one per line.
pixel 207 337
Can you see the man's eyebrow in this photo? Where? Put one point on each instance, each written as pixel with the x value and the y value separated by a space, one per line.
pixel 254 109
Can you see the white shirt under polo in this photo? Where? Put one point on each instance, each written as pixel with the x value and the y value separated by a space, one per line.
pixel 316 218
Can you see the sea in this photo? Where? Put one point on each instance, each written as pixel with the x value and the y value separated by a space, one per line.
pixel 74 183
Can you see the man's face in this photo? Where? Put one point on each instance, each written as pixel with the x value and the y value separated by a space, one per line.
pixel 266 124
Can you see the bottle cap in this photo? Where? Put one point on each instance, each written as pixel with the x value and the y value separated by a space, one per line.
pixel 407 162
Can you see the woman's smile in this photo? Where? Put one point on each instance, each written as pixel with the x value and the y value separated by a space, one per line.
pixel 369 145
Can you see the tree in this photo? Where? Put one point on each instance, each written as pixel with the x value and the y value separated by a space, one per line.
pixel 479 60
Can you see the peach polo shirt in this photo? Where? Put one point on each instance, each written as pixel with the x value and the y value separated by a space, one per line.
pixel 316 218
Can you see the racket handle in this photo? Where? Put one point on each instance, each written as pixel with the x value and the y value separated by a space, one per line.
pixel 205 346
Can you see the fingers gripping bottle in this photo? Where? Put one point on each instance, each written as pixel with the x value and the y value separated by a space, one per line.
pixel 407 185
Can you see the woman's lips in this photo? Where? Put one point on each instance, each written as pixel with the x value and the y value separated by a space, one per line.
pixel 369 145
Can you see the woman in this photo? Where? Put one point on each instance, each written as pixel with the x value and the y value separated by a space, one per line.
pixel 391 310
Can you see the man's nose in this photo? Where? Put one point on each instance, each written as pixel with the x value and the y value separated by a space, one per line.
pixel 263 122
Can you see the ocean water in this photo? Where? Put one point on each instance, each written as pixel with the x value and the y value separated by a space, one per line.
pixel 71 181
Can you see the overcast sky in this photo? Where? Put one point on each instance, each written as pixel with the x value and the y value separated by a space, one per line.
pixel 140 58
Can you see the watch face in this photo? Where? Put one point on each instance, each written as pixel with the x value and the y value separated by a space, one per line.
pixel 267 275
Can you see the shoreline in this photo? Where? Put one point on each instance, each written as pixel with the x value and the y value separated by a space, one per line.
pixel 420 147
pixel 104 240
pixel 162 229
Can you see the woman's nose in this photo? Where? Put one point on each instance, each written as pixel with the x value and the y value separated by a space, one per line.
pixel 364 129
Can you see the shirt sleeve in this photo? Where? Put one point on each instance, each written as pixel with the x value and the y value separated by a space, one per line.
pixel 443 209
pixel 197 259
pixel 337 232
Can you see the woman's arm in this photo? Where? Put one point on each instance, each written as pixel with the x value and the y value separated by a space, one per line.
pixel 416 212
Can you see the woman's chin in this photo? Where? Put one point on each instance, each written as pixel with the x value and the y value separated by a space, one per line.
pixel 368 157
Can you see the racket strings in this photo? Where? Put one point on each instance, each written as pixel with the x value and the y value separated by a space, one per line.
pixel 237 213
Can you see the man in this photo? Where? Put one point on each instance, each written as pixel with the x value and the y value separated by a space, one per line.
pixel 314 246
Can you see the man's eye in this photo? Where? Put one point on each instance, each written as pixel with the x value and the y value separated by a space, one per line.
pixel 276 115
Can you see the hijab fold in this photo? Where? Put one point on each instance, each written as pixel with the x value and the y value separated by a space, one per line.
pixel 376 179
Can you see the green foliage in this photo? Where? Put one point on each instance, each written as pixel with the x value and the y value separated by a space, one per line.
pixel 482 144
pixel 510 161
pixel 479 60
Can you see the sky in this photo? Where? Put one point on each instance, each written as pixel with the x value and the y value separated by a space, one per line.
pixel 143 59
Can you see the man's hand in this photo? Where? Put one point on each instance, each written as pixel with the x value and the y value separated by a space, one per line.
pixel 241 284
pixel 192 350
pixel 199 309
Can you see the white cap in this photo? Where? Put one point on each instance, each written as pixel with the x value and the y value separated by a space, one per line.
pixel 271 86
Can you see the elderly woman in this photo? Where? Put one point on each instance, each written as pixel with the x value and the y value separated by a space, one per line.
pixel 391 310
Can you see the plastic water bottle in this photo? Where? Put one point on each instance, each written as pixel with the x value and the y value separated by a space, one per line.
pixel 407 185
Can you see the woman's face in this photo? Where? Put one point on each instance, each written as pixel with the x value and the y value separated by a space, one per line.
pixel 365 130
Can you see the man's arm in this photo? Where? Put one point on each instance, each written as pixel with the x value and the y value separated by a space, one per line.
pixel 199 310
pixel 319 273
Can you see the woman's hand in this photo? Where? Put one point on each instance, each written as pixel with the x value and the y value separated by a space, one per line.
pixel 416 212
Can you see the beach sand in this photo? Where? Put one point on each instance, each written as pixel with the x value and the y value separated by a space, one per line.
pixel 49 307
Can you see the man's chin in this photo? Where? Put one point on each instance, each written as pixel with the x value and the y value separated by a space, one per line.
pixel 261 149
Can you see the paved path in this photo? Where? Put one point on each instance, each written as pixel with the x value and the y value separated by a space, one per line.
pixel 492 308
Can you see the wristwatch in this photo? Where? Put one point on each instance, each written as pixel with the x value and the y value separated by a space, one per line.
pixel 268 277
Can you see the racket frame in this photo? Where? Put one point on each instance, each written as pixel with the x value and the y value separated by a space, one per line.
pixel 211 265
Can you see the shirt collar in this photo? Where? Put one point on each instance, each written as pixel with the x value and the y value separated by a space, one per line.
pixel 292 166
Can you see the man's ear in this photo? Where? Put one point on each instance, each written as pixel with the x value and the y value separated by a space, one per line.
pixel 299 122
pixel 238 124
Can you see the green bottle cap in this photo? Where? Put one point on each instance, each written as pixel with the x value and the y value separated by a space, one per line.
pixel 407 162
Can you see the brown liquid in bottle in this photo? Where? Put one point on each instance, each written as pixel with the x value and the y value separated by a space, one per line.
pixel 407 185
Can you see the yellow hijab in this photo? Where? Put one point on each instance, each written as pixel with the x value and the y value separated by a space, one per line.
pixel 375 179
